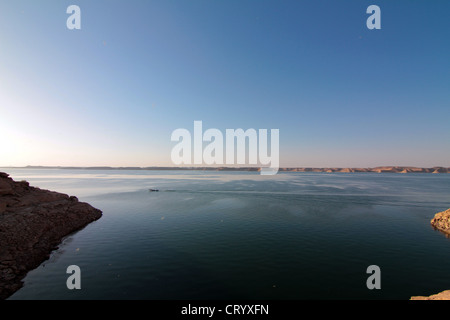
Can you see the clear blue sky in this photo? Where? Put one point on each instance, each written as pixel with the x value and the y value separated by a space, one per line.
pixel 113 92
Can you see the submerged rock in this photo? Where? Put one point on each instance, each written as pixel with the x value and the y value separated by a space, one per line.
pixel 32 223
pixel 441 221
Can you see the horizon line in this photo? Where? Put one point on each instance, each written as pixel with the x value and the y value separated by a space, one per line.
pixel 378 169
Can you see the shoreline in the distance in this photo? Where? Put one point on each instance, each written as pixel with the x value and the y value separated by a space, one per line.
pixel 383 169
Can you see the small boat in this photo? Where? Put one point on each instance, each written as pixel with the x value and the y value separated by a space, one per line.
pixel 153 190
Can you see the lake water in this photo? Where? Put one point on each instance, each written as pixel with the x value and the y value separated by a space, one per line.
pixel 240 235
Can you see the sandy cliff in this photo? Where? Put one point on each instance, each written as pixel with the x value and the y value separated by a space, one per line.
pixel 392 169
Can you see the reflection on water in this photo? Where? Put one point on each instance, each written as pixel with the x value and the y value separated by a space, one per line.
pixel 215 235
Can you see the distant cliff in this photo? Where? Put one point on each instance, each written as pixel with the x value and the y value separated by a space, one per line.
pixel 32 223
pixel 376 170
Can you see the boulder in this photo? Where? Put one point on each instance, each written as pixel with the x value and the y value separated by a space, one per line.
pixel 441 221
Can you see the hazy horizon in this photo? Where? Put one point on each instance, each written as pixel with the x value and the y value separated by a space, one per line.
pixel 112 93
pixel 210 166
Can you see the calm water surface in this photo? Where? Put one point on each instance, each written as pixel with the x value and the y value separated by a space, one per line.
pixel 239 235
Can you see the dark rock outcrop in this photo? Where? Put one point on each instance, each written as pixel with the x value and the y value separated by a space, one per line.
pixel 32 223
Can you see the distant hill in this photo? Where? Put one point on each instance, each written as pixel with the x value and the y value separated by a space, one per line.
pixel 385 169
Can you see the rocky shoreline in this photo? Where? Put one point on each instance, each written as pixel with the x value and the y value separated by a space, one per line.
pixel 444 295
pixel 441 222
pixel 32 224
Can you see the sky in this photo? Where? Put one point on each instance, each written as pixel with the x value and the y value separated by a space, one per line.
pixel 112 93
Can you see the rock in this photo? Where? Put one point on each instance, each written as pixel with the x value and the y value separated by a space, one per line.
pixel 2 207
pixel 32 224
pixel 444 295
pixel 5 188
pixel 441 221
